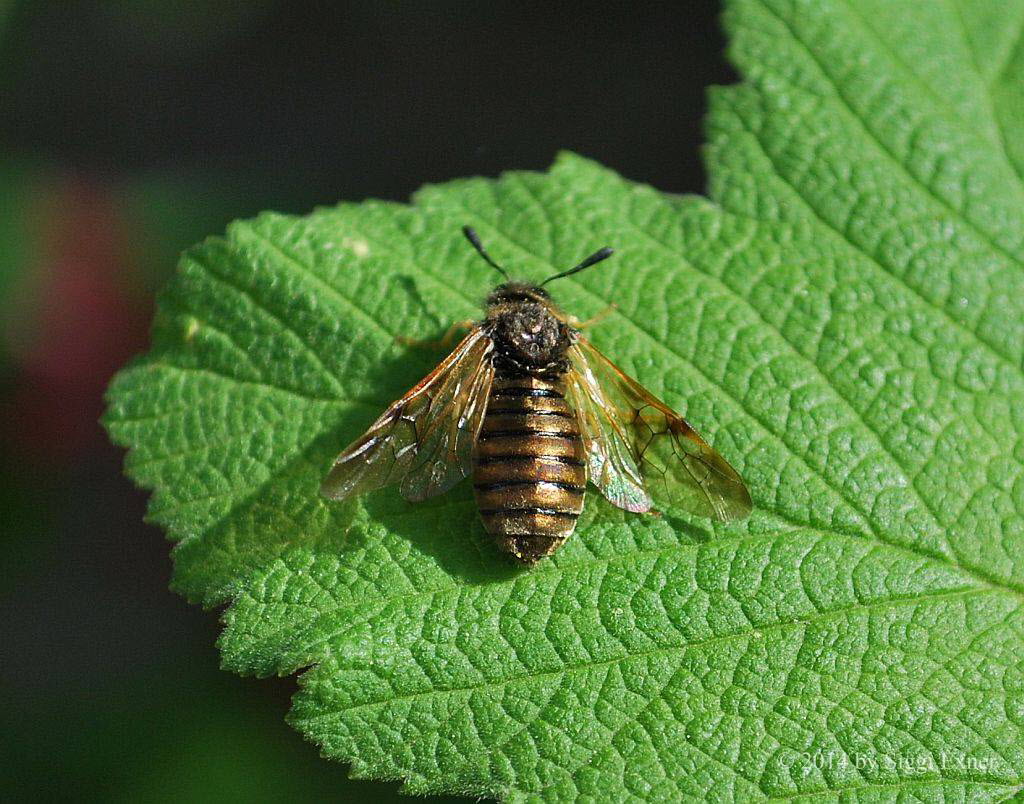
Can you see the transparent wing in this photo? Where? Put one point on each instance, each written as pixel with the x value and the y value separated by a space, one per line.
pixel 637 446
pixel 424 441
pixel 612 464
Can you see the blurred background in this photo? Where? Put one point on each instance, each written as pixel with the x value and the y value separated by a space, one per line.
pixel 130 130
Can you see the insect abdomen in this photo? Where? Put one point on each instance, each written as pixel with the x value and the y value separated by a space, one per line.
pixel 529 473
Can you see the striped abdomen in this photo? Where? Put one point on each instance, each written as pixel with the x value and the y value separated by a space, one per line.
pixel 529 472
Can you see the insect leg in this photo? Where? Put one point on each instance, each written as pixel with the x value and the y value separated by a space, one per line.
pixel 445 340
pixel 594 319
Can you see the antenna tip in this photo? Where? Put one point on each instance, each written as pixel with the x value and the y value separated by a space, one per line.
pixel 473 238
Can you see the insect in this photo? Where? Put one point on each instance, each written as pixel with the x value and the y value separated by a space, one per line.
pixel 528 407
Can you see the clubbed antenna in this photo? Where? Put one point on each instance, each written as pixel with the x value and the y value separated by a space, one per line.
pixel 593 259
pixel 472 237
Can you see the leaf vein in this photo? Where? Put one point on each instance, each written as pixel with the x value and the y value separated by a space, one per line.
pixel 881 146
pixel 658 651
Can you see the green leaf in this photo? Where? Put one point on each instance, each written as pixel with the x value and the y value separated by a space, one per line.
pixel 844 321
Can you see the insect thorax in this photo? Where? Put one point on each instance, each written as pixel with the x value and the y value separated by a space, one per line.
pixel 527 335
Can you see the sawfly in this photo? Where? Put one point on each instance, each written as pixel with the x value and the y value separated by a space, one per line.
pixel 533 411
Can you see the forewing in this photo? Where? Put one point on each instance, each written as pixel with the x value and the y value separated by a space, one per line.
pixel 424 441
pixel 637 444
